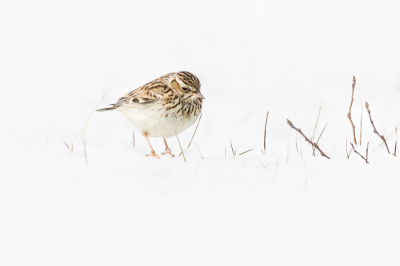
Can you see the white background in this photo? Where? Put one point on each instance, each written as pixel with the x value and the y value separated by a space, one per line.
pixel 287 57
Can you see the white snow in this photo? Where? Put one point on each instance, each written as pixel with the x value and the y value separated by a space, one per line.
pixel 121 208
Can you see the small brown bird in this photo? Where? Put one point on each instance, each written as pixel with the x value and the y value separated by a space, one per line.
pixel 162 108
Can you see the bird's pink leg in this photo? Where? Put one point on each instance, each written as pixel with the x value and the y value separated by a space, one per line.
pixel 153 153
pixel 167 149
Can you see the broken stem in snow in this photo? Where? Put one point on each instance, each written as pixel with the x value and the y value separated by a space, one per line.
pixel 366 160
pixel 309 141
pixel 349 113
pixel 265 132
pixel 376 131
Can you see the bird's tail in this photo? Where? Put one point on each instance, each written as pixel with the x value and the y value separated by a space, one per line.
pixel 107 109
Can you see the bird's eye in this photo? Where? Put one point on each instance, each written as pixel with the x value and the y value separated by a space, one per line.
pixel 184 89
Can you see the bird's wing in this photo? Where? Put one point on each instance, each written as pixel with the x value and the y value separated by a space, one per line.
pixel 148 93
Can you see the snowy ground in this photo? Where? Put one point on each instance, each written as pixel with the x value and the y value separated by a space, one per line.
pixel 283 208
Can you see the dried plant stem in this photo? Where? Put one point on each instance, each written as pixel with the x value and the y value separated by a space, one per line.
pixel 315 128
pixel 245 151
pixel 265 132
pixel 84 150
pixel 359 153
pixel 180 147
pixel 385 139
pixel 347 153
pixel 198 122
pixel 362 109
pixel 66 144
pixel 233 152
pixel 199 151
pixel 319 137
pixel 395 144
pixel 309 141
pixel 349 113
pixel 367 151
pixel 83 128
pixel 375 131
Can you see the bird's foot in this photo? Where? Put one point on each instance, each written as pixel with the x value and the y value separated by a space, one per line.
pixel 168 151
pixel 154 154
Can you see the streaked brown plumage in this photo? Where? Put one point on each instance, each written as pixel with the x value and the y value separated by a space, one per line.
pixel 164 107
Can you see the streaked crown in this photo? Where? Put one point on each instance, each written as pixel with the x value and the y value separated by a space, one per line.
pixel 189 79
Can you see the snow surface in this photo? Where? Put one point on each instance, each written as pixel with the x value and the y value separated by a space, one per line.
pixel 283 208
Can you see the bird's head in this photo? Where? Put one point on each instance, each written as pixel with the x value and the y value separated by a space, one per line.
pixel 187 85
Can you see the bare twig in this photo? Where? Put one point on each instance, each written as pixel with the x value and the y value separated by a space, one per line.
pixel 375 131
pixel 66 144
pixel 362 109
pixel 265 132
pixel 348 154
pixel 193 133
pixel 359 153
pixel 319 137
pixel 395 144
pixel 309 141
pixel 322 133
pixel 367 151
pixel 385 139
pixel 315 128
pixel 351 104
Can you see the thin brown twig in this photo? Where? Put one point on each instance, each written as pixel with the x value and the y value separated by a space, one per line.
pixel 349 113
pixel 367 150
pixel 395 144
pixel 315 128
pixel 360 153
pixel 375 131
pixel 321 133
pixel 386 139
pixel 66 144
pixel 265 132
pixel 193 133
pixel 348 154
pixel 362 109
pixel 320 137
pixel 309 141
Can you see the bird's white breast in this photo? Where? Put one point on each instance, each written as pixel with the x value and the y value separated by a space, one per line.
pixel 158 123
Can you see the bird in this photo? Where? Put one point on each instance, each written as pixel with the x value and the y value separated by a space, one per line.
pixel 163 107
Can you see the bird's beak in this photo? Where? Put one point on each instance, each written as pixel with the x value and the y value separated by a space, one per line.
pixel 198 94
